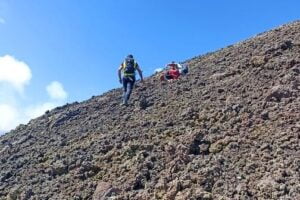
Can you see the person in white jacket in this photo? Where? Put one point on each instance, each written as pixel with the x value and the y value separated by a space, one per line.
pixel 183 68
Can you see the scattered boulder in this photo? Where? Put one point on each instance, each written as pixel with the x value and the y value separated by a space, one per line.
pixel 278 92
pixel 258 61
pixel 104 191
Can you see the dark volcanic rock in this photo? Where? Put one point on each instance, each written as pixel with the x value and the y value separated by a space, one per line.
pixel 228 130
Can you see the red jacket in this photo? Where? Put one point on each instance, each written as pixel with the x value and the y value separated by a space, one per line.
pixel 174 73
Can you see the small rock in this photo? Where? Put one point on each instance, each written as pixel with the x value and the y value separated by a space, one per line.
pixel 277 93
pixel 104 190
pixel 13 194
pixel 216 147
pixel 257 61
pixel 143 103
pixel 265 115
pixel 220 90
pixel 286 45
pixel 25 195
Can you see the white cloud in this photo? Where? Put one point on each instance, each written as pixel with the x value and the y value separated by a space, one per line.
pixel 56 91
pixel 13 115
pixel 2 21
pixel 14 72
pixel 8 118
pixel 38 110
pixel 15 75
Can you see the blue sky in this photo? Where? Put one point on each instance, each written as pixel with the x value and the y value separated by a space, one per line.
pixel 76 46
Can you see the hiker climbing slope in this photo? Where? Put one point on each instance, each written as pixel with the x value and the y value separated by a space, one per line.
pixel 126 73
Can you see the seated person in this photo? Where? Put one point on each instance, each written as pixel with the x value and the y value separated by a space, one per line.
pixel 172 73
pixel 183 68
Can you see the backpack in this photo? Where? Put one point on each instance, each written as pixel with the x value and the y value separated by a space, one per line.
pixel 129 66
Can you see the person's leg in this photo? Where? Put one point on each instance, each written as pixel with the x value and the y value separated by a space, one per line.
pixel 130 84
pixel 185 70
pixel 167 76
pixel 125 83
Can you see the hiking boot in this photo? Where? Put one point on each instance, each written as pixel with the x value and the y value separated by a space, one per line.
pixel 124 104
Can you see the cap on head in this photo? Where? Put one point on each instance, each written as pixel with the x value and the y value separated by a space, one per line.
pixel 130 56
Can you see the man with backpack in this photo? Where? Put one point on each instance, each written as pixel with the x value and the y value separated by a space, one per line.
pixel 128 68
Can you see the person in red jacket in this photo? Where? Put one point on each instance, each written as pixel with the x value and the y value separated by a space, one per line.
pixel 172 72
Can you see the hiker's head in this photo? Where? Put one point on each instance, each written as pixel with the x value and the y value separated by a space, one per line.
pixel 129 57
pixel 173 62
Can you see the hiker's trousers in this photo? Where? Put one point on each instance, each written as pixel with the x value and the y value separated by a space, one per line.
pixel 128 82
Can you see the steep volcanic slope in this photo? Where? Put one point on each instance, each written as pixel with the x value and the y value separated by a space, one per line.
pixel 228 130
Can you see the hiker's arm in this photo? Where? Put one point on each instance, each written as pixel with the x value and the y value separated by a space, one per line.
pixel 119 74
pixel 140 72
